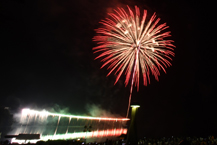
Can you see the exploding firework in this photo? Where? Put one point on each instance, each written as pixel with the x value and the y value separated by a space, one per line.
pixel 44 114
pixel 37 122
pixel 128 44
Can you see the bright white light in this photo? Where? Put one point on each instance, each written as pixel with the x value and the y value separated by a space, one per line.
pixel 44 114
pixel 135 106
pixel 118 25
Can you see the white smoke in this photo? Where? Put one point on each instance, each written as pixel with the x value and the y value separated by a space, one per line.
pixel 98 111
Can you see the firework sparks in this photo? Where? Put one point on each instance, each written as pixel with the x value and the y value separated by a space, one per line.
pixel 28 115
pixel 129 45
pixel 97 133
pixel 41 114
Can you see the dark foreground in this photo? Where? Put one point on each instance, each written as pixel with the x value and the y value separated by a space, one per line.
pixel 211 140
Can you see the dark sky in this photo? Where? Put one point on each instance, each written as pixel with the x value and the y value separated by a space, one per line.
pixel 47 60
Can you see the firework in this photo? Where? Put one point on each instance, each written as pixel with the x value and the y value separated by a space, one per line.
pixel 44 114
pixel 29 115
pixel 128 44
pixel 97 133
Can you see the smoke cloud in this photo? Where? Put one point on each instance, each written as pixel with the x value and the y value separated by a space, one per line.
pixel 98 111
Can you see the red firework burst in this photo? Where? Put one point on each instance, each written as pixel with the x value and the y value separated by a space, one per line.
pixel 128 44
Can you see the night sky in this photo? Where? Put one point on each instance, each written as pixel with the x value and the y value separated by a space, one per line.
pixel 47 61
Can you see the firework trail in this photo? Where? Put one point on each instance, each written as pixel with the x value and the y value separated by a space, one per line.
pixel 129 45
pixel 57 125
pixel 68 125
